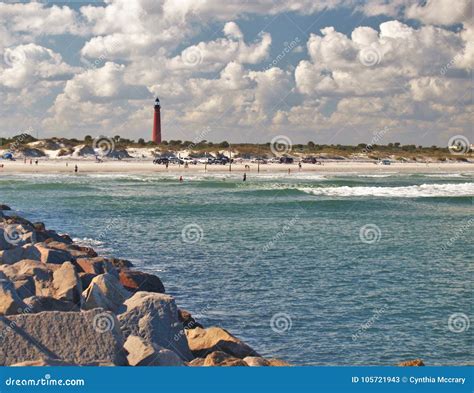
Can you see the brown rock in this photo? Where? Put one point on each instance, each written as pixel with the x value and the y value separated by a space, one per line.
pixel 39 226
pixel 4 207
pixel 97 265
pixel 198 362
pixel 28 271
pixel 219 358
pixel 143 353
pixel 255 361
pixel 205 341
pixel 188 321
pixel 121 263
pixel 415 362
pixel 50 255
pixel 138 281
pixel 278 363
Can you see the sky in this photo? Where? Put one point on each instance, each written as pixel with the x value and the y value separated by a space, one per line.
pixel 328 71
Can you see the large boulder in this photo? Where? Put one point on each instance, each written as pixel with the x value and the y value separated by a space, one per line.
pixel 36 304
pixel 96 265
pixel 51 255
pixel 80 338
pixel 154 317
pixel 10 302
pixel 205 341
pixel 135 281
pixel 143 353
pixel 219 358
pixel 30 278
pixel 255 361
pixel 38 252
pixel 67 284
pixel 105 291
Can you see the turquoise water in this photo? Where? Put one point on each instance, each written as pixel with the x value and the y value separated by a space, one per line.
pixel 282 262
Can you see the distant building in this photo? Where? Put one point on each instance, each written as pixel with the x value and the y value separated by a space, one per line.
pixel 156 135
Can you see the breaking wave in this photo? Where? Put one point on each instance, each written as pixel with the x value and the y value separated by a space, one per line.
pixel 419 191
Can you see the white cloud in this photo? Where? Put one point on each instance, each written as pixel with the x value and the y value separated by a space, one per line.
pixel 26 64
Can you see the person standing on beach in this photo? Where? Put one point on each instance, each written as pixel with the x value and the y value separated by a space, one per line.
pixel 289 170
pixel 299 165
pixel 181 179
pixel 245 177
pixel 75 168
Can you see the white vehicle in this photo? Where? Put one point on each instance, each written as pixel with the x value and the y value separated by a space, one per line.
pixel 189 160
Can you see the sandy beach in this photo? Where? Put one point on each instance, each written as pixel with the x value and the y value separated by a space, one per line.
pixel 139 166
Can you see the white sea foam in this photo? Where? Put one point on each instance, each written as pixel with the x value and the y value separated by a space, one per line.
pixel 423 190
pixel 87 242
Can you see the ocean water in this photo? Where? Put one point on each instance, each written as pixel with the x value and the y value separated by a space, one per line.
pixel 336 269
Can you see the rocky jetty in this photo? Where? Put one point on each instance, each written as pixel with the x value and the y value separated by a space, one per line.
pixel 63 304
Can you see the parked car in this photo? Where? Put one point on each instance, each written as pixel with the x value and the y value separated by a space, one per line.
pixel 161 160
pixel 189 160
pixel 286 160
pixel 309 160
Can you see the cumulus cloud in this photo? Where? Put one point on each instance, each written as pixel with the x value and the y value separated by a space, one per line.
pixel 26 64
pixel 208 68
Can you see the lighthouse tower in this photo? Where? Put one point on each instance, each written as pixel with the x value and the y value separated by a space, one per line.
pixel 156 137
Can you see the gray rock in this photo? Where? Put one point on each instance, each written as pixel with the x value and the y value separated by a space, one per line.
pixel 67 284
pixel 154 317
pixel 80 338
pixel 36 304
pixel 105 291
pixel 142 353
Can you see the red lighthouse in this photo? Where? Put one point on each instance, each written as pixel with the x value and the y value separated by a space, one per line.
pixel 156 137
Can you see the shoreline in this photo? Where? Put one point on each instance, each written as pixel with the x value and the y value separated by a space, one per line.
pixel 147 167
